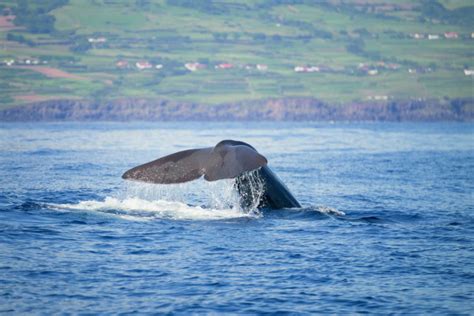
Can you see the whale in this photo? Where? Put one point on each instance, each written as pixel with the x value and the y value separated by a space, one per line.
pixel 229 159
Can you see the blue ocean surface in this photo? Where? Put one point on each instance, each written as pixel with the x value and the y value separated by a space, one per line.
pixel 387 223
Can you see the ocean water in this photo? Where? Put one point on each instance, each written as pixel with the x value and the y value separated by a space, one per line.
pixel 387 223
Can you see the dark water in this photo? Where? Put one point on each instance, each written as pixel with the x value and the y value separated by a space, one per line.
pixel 75 238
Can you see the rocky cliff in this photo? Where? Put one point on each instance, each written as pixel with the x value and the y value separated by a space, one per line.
pixel 286 109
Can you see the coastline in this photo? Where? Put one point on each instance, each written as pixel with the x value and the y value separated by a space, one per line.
pixel 282 109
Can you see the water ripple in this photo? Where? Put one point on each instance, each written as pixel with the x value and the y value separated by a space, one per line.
pixel 387 224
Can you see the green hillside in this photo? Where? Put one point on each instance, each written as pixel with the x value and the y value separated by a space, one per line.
pixel 351 50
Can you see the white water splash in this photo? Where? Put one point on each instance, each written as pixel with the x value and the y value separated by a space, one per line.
pixel 143 210
pixel 197 200
pixel 253 191
pixel 330 211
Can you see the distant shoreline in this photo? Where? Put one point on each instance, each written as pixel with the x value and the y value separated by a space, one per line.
pixel 282 109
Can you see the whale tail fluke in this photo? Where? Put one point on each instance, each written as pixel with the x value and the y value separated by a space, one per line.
pixel 228 159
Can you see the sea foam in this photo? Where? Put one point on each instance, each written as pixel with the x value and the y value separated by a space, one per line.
pixel 142 210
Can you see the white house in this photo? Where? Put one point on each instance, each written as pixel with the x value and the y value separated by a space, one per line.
pixel 306 69
pixel 143 65
pixel 121 64
pixel 372 72
pixel 418 35
pixel 9 62
pixel 224 66
pixel 194 66
pixel 378 97
pixel 451 35
pixel 469 72
pixel 97 40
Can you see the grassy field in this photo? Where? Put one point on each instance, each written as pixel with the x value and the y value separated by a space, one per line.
pixel 362 49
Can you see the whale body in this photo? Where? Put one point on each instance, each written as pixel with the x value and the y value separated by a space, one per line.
pixel 229 159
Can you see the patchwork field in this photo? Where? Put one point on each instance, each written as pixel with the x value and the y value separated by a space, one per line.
pixel 214 52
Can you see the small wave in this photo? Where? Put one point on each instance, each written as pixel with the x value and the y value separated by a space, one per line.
pixel 330 211
pixel 137 209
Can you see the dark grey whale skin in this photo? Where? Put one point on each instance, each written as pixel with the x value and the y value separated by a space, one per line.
pixel 228 159
pixel 276 195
